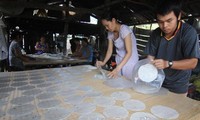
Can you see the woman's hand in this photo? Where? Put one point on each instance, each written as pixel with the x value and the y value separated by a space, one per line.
pixel 99 63
pixel 114 73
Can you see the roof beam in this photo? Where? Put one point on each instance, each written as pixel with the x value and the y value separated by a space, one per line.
pixel 140 3
pixel 35 5
pixel 108 4
pixel 118 1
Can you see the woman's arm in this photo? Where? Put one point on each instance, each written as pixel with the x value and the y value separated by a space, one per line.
pixel 108 54
pixel 109 51
pixel 128 46
pixel 37 46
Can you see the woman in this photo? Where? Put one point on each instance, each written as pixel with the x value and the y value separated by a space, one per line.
pixel 41 46
pixel 124 40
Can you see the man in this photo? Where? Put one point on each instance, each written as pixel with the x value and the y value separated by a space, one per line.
pixel 16 57
pixel 86 51
pixel 173 46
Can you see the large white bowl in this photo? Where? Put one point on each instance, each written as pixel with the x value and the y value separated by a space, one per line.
pixel 141 83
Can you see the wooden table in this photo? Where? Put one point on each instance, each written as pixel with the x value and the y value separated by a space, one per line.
pixel 60 79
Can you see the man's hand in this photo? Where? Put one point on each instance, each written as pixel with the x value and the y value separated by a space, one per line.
pixel 160 63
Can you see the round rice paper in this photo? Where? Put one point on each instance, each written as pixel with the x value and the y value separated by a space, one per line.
pixel 147 72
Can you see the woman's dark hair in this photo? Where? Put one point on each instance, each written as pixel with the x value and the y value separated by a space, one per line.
pixel 109 15
pixel 166 6
pixel 43 36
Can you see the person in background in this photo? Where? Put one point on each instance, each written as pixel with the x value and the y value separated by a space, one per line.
pixel 42 46
pixel 3 46
pixel 73 45
pixel 86 51
pixel 122 37
pixel 78 46
pixel 173 46
pixel 16 57
pixel 59 48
